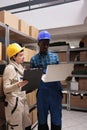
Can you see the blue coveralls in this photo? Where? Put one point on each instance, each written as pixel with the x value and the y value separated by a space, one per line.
pixel 49 96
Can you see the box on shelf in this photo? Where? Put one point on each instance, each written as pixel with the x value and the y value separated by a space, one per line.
pixel 31 117
pixel 83 84
pixel 34 115
pixel 64 99
pixel 31 98
pixel 83 56
pixel 33 32
pixel 62 56
pixel 28 53
pixel 78 101
pixel 23 27
pixel 9 19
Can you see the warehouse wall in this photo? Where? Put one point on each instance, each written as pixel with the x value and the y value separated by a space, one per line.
pixel 68 14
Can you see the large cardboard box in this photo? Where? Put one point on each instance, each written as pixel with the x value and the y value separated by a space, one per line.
pixel 23 27
pixel 9 19
pixel 33 32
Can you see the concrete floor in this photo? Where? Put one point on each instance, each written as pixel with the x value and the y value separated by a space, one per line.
pixel 72 120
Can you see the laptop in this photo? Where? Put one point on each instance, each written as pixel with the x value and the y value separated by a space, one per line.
pixel 58 72
pixel 34 78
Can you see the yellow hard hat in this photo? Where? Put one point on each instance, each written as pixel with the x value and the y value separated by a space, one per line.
pixel 13 49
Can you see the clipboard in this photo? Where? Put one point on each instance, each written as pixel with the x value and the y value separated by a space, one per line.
pixel 34 78
pixel 58 72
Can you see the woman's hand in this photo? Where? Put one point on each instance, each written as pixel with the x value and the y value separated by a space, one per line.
pixel 22 83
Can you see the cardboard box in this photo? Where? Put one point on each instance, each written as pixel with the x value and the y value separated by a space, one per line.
pixel 62 56
pixel 83 84
pixel 23 27
pixel 34 115
pixel 83 56
pixel 31 117
pixel 28 53
pixel 64 99
pixel 33 32
pixel 31 98
pixel 9 19
pixel 78 101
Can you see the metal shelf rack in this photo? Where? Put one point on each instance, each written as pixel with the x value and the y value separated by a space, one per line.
pixel 67 90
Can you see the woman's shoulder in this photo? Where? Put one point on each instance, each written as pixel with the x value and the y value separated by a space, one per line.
pixel 9 70
pixel 9 67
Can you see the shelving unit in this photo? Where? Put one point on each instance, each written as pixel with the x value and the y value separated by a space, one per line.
pixel 2 36
pixel 19 37
pixel 79 74
pixel 71 59
pixel 8 35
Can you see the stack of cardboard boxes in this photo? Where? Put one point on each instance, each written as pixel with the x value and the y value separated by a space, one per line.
pixel 18 24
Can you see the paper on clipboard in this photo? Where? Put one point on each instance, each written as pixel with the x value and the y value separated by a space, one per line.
pixel 58 72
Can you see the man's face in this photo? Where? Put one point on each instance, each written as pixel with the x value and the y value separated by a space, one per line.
pixel 43 45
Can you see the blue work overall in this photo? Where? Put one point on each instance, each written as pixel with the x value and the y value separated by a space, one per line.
pixel 49 99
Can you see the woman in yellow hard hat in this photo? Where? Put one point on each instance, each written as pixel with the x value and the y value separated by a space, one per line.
pixel 16 107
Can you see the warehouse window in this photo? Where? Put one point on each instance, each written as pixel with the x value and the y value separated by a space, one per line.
pixel 33 4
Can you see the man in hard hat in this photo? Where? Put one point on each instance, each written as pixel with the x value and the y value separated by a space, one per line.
pixel 16 107
pixel 49 96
